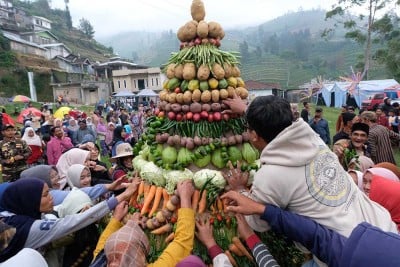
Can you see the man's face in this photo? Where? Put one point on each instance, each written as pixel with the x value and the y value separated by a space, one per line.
pixel 318 114
pixel 58 133
pixel 358 138
pixel 82 125
pixel 9 132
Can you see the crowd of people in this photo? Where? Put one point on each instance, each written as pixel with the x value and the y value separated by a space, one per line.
pixel 337 198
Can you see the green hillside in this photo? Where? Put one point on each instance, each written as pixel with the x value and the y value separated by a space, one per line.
pixel 288 50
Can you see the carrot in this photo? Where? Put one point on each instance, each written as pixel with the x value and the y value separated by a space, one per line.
pixel 203 202
pixel 165 198
pixel 195 200
pixel 234 249
pixel 133 200
pixel 146 189
pixel 148 199
pixel 157 199
pixel 220 206
pixel 170 237
pixel 238 243
pixel 141 189
pixel 231 259
pixel 166 228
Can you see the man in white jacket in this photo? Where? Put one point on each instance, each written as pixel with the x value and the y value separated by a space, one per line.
pixel 300 173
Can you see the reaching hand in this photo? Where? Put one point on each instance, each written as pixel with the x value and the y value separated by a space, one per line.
pixel 205 232
pixel 117 184
pixel 130 189
pixel 185 191
pixel 243 228
pixel 241 204
pixel 236 179
pixel 236 104
pixel 120 211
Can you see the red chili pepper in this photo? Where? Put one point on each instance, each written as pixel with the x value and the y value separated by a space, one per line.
pixel 219 217
pixel 173 220
pixel 212 220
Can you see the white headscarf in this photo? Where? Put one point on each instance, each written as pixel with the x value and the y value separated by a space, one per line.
pixel 31 141
pixel 74 175
pixel 75 201
pixel 359 179
pixel 69 158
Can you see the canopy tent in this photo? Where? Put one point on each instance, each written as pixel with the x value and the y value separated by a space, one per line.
pixel 124 94
pixel 362 91
pixel 147 92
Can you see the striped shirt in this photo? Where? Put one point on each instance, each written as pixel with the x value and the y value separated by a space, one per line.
pixel 263 256
pixel 379 141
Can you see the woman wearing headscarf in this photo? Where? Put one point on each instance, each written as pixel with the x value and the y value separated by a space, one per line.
pixel 383 186
pixel 129 246
pixel 72 156
pixel 35 143
pixel 98 169
pixel 26 199
pixel 79 250
pixel 129 138
pixel 118 138
pixel 49 175
pixel 72 127
pixel 101 130
pixel 109 137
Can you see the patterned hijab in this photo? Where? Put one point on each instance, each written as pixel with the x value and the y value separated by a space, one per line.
pixel 127 247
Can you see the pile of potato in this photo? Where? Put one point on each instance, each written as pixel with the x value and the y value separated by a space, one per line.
pixel 198 31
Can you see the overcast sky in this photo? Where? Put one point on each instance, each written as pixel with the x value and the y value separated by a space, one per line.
pixel 109 17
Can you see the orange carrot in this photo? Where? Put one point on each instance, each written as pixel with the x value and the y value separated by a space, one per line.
pixel 225 205
pixel 234 249
pixel 165 198
pixel 170 237
pixel 157 199
pixel 133 200
pixel 148 199
pixel 220 206
pixel 141 189
pixel 238 243
pixel 166 228
pixel 146 188
pixel 195 200
pixel 203 202
pixel 231 259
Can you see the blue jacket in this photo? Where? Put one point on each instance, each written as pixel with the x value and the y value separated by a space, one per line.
pixel 367 246
pixel 321 128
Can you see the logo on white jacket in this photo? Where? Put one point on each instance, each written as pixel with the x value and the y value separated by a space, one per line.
pixel 327 181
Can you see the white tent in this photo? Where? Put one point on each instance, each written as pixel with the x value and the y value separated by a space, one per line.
pixel 124 94
pixel 363 90
pixel 146 92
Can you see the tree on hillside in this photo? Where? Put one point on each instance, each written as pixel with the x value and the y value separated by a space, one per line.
pixel 363 30
pixel 388 28
pixel 244 50
pixel 86 27
pixel 68 15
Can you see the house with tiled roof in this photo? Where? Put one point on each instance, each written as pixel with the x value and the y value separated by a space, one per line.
pixel 256 88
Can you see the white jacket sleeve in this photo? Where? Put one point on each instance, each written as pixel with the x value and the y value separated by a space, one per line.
pixel 45 231
pixel 221 261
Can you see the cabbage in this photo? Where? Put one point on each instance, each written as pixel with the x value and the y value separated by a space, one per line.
pixel 173 177
pixel 201 177
pixel 152 174
pixel 138 162
pixel 145 151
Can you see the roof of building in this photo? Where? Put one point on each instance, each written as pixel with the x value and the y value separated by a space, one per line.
pixel 38 32
pixel 17 38
pixel 255 85
pixel 57 44
pixel 38 17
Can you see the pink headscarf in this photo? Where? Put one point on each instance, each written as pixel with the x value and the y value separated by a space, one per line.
pixel 69 158
pixel 385 173
pixel 191 261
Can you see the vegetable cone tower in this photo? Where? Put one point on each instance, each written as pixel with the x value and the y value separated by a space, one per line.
pixel 190 137
pixel 190 132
